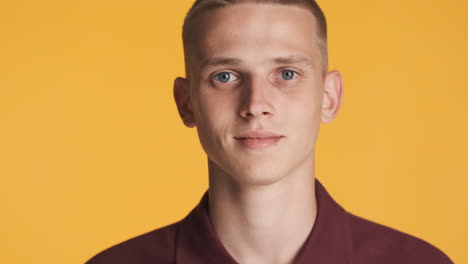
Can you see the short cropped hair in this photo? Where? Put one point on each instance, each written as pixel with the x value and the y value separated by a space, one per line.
pixel 201 6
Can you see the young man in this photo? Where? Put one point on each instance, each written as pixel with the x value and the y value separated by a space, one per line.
pixel 257 89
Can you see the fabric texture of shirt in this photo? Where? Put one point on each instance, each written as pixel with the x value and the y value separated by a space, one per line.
pixel 337 237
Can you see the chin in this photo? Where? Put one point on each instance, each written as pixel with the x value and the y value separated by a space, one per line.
pixel 257 175
pixel 251 170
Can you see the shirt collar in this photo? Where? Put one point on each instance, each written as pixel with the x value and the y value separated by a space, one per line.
pixel 329 242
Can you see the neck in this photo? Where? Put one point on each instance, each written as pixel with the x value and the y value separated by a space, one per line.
pixel 263 223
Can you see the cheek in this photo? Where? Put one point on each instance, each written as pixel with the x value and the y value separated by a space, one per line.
pixel 308 101
pixel 213 114
pixel 305 109
pixel 214 118
pixel 218 102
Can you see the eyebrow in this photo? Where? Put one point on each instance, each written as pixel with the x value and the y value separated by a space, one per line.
pixel 220 61
pixel 294 59
pixel 226 61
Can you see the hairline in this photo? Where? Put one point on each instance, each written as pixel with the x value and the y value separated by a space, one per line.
pixel 211 5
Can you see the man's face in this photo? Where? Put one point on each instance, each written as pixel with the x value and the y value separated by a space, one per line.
pixel 257 90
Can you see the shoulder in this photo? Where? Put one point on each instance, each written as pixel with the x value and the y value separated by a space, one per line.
pixel 376 243
pixel 157 246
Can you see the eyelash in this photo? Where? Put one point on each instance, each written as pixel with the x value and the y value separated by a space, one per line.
pixel 295 74
pixel 215 77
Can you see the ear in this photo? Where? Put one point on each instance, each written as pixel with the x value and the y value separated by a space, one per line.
pixel 183 101
pixel 333 95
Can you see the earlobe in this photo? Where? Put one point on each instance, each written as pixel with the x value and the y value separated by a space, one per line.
pixel 183 101
pixel 333 95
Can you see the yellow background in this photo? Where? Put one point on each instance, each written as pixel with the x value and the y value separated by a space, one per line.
pixel 92 151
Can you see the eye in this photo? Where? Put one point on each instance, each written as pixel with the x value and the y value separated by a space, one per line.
pixel 288 75
pixel 225 77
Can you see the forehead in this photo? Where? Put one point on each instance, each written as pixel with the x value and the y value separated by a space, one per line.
pixel 248 31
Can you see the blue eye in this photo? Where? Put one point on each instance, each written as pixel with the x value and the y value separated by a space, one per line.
pixel 288 75
pixel 224 77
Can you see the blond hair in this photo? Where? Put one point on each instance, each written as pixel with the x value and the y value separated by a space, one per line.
pixel 201 6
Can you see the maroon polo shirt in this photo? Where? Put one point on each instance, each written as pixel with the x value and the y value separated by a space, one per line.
pixel 338 237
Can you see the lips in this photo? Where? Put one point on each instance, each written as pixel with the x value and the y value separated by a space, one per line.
pixel 260 139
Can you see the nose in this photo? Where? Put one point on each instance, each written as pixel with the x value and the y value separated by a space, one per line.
pixel 257 100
